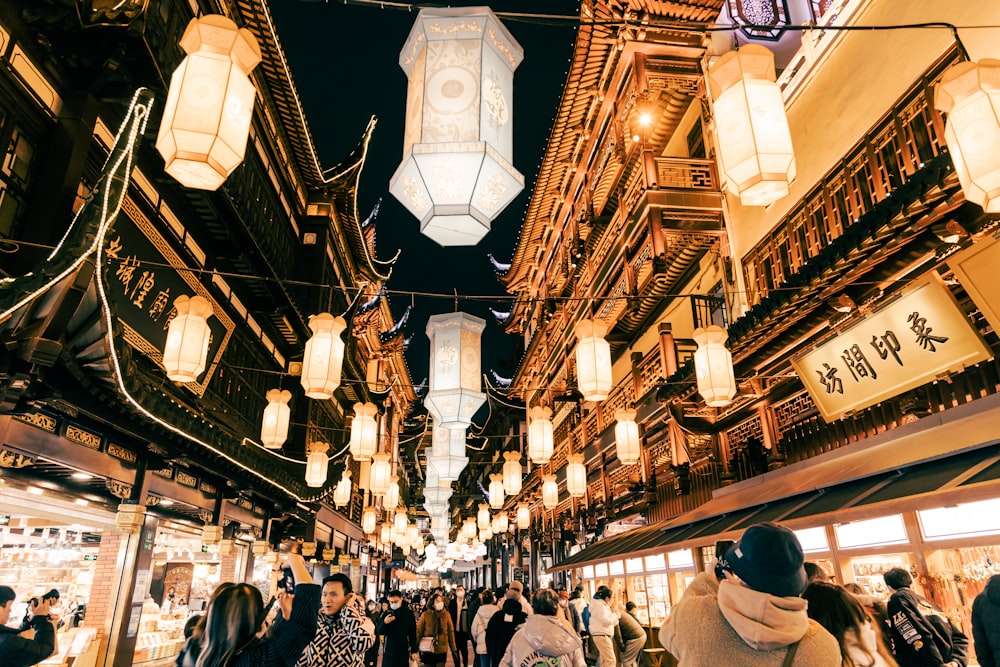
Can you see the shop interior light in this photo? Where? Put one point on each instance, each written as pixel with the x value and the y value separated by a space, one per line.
pixel 185 353
pixel 277 415
pixel 82 476
pixel 593 360
pixel 323 358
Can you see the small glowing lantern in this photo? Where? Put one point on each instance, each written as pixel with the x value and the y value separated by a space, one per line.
pixel 317 464
pixel 485 535
pixel 412 535
pixel 342 492
pixel 390 499
pixel 496 491
pixel 469 529
pixel 512 473
pixel 385 533
pixel 454 394
pixel 185 353
pixel 576 476
pixel 627 444
pixel 970 94
pixel 364 431
pixel 206 119
pixel 324 356
pixel 523 516
pixel 447 459
pixel 550 492
pixel 277 414
pixel 495 524
pixel 399 525
pixel 456 175
pixel 503 523
pixel 713 366
pixel 593 360
pixel 755 144
pixel 378 476
pixel 369 520
pixel 540 438
pixel 483 518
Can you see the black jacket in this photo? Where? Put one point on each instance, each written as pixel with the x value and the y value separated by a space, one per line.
pixel 922 636
pixel 501 629
pixel 461 624
pixel 400 637
pixel 16 651
pixel 986 623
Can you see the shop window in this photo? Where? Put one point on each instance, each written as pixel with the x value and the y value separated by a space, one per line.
pixel 966 520
pixel 681 558
pixel 873 532
pixel 588 571
pixel 601 570
pixel 696 141
pixel 813 539
pixel 657 562
pixel 17 161
pixel 616 568
pixel 633 565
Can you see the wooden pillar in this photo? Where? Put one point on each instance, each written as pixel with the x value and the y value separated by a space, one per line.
pixel 668 349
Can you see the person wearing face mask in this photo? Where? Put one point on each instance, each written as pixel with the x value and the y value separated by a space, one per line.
pixel 564 612
pixel 435 632
pixel 399 629
pixel 458 609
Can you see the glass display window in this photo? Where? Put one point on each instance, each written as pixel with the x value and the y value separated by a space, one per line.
pixel 955 577
pixel 868 571
pixel 813 540
pixel 961 521
pixel 884 530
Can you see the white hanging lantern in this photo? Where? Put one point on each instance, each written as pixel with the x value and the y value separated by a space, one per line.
pixel 185 354
pixel 324 356
pixel 523 516
pixel 495 524
pixel 206 119
pixel 369 520
pixel 277 414
pixel 576 476
pixel 550 492
pixel 405 548
pixel 627 443
pixel 969 93
pixel 390 499
pixel 593 360
pixel 483 518
pixel 755 145
pixel 317 464
pixel 469 529
pixel 364 431
pixel 540 437
pixel 400 523
pixel 447 459
pixel 454 394
pixel 503 523
pixel 512 473
pixel 456 175
pixel 385 533
pixel 485 535
pixel 412 535
pixel 379 474
pixel 496 491
pixel 713 366
pixel 342 492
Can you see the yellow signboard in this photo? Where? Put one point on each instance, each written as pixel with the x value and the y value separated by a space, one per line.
pixel 915 338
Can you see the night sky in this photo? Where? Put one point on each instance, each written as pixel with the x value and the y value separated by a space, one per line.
pixel 345 62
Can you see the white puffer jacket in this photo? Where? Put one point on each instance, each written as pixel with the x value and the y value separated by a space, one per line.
pixel 479 623
pixel 540 639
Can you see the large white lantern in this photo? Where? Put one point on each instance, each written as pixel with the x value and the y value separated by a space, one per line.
pixel 277 414
pixel 496 491
pixel 342 492
pixel 576 476
pixel 206 119
pixel 483 518
pixel 713 366
pixel 447 459
pixel 369 520
pixel 503 523
pixel 627 444
pixel 755 144
pixel 379 474
pixel 512 473
pixel 364 431
pixel 185 354
pixel 390 499
pixel 550 492
pixel 454 394
pixel 523 516
pixel 593 360
pixel 970 94
pixel 317 464
pixel 456 175
pixel 540 437
pixel 324 356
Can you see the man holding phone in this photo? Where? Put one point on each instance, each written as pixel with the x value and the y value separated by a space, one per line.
pixel 399 628
pixel 18 651
pixel 343 632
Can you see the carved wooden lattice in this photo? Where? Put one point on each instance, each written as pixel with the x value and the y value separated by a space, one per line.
pixel 786 411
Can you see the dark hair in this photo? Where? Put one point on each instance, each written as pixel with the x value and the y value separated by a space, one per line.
pixel 629 606
pixel 814 572
pixel 854 589
pixel 432 598
pixel 394 594
pixel 897 578
pixel 487 597
pixel 231 622
pixel 603 593
pixel 6 595
pixel 839 612
pixel 342 579
pixel 576 594
pixel 545 602
pixel 195 624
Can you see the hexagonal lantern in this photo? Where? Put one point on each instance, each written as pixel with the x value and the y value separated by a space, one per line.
pixel 454 394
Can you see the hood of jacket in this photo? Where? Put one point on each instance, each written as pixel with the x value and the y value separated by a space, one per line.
pixel 513 606
pixel 993 590
pixel 765 622
pixel 549 636
pixel 486 611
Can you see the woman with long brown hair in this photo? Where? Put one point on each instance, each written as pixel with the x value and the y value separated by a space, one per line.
pixel 844 617
pixel 435 632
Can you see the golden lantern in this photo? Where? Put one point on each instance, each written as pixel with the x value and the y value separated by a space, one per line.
pixel 454 393
pixel 399 524
pixel 364 431
pixel 550 492
pixel 447 459
pixel 323 359
pixel 540 437
pixel 512 473
pixel 369 520
pixel 485 535
pixel 755 145
pixel 405 548
pixel 341 492
pixel 495 524
pixel 523 516
pixel 206 119
pixel 496 491
pixel 379 474
pixel 390 499
pixel 503 523
pixel 385 533
pixel 185 354
pixel 483 518
pixel 627 443
pixel 593 360
pixel 456 175
pixel 576 476
pixel 969 93
pixel 713 366
pixel 317 464
pixel 277 414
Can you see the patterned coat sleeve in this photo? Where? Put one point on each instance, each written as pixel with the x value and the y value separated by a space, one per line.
pixel 357 626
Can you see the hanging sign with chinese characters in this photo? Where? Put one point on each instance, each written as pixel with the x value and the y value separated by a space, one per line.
pixel 144 277
pixel 919 336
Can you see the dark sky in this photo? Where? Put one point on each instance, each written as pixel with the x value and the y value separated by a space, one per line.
pixel 345 62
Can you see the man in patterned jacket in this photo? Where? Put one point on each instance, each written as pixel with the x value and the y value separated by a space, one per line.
pixel 344 631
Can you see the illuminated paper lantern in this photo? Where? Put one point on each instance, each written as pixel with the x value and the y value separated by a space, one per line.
pixel 447 459
pixel 390 499
pixel 713 366
pixel 576 476
pixel 185 354
pixel 593 360
pixel 540 437
pixel 317 464
pixel 627 443
pixel 369 520
pixel 503 523
pixel 379 474
pixel 277 414
pixel 454 393
pixel 485 535
pixel 385 533
pixel 496 491
pixel 483 518
pixel 512 473
pixel 341 492
pixel 469 529
pixel 364 431
pixel 456 175
pixel 323 359
pixel 523 516
pixel 495 524
pixel 550 492
pixel 413 535
pixel 755 145
pixel 206 119
pixel 970 94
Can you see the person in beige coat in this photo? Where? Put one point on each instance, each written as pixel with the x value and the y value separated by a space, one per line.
pixel 754 617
